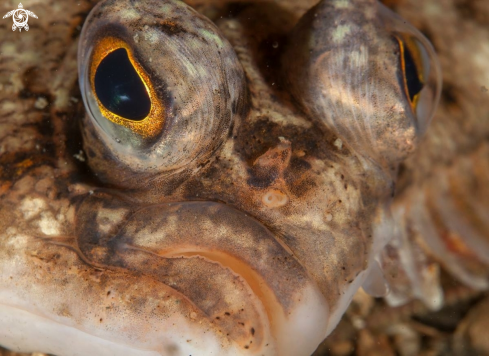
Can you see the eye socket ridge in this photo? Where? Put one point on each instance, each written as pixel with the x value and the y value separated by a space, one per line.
pixel 149 126
pixel 413 72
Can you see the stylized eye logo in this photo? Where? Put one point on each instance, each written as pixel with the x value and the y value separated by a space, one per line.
pixel 123 89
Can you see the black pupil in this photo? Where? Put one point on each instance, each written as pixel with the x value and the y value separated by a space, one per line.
pixel 119 87
pixel 414 84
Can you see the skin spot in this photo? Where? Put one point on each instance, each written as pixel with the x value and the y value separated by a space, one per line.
pixel 338 143
pixel 31 207
pixel 48 224
pixel 340 33
pixel 341 4
pixel 274 198
pixel 129 15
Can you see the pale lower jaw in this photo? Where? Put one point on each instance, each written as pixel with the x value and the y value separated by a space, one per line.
pixel 25 331
pixel 146 301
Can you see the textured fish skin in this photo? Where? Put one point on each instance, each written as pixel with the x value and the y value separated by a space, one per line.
pixel 441 185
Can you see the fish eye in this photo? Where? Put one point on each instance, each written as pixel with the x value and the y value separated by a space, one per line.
pixel 369 76
pixel 419 70
pixel 414 67
pixel 122 88
pixel 119 88
pixel 158 102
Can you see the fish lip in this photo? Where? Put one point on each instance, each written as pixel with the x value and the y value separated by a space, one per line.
pixel 42 291
pixel 202 229
pixel 236 256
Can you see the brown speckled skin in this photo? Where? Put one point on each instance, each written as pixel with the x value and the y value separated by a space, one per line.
pixel 37 162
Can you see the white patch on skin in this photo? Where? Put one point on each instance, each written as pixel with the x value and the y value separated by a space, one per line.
pixel 31 207
pixel 41 103
pixel 108 218
pixel 305 325
pixel 47 332
pixel 227 153
pixel 151 35
pixel 48 224
pixel 345 300
pixel 15 239
pixel 212 37
pixel 80 156
pixel 129 15
pixel 8 106
pixel 342 4
pixel 62 98
pixel 27 332
pixel 340 33
pixel 274 198
pixel 338 143
pixel 233 25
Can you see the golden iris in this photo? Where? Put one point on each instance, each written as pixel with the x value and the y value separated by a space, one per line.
pixel 148 126
pixel 412 67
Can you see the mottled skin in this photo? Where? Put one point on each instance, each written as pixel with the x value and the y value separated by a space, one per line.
pixel 273 147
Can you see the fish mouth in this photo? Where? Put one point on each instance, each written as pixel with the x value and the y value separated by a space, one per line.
pixel 236 274
pixel 168 279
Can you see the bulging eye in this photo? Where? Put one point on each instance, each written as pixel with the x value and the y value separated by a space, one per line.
pixel 413 70
pixel 419 70
pixel 162 89
pixel 369 76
